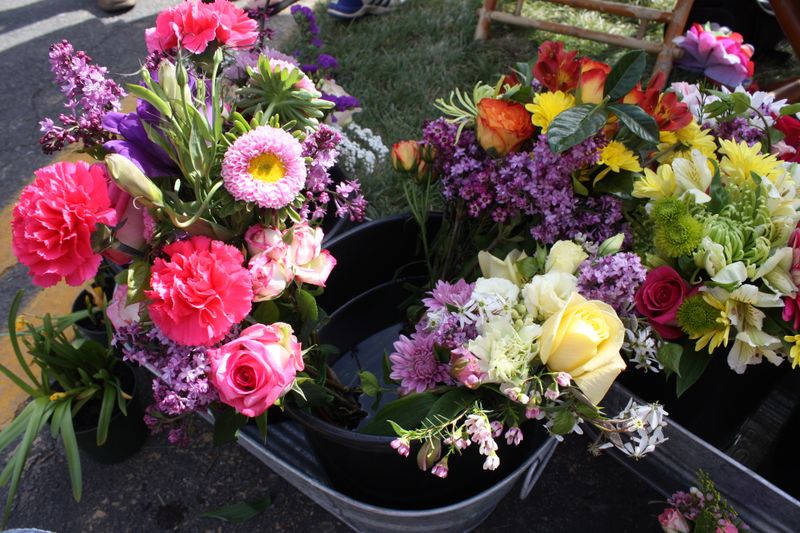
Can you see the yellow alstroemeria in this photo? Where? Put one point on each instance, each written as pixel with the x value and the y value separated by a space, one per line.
pixel 740 160
pixel 794 353
pixel 720 336
pixel 56 396
pixel 690 137
pixel 546 106
pixel 655 185
pixel 617 157
pixel 693 176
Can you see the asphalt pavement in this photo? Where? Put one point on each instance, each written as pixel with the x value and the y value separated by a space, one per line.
pixel 164 488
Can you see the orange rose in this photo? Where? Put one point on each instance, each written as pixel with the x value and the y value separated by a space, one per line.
pixel 502 126
pixel 592 81
pixel 405 156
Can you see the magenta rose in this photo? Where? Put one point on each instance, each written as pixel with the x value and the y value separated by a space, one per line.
pixel 253 371
pixel 199 291
pixel 791 310
pixel 53 222
pixel 672 521
pixel 659 298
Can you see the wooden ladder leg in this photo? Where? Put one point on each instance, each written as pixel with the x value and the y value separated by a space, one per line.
pixel 675 27
pixel 484 20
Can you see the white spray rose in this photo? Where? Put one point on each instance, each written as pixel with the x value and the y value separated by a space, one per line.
pixel 547 294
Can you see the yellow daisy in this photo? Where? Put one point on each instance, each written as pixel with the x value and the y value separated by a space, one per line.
pixel 617 157
pixel 546 106
pixel 794 353
pixel 741 160
pixel 655 185
pixel 690 137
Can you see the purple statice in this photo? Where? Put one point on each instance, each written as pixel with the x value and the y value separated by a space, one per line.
pixel 90 95
pixel 415 366
pixel 613 279
pixel 344 102
pixel 307 21
pixel 536 184
pixel 738 129
pixel 183 386
pixel 327 62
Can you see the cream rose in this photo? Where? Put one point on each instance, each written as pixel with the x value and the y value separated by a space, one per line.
pixel 546 294
pixel 494 267
pixel 565 256
pixel 584 339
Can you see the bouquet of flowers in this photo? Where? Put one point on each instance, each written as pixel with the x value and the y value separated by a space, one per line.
pixel 209 195
pixel 721 212
pixel 701 510
pixel 533 338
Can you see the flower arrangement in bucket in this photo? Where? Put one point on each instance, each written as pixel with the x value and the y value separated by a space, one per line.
pixel 210 195
pixel 701 509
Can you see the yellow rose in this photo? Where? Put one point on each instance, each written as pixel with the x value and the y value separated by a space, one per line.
pixel 565 256
pixel 584 339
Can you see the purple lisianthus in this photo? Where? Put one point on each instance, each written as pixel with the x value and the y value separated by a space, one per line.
pixel 136 146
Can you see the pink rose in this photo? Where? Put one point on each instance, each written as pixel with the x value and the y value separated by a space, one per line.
pixel 659 298
pixel 672 521
pixel 130 218
pixel 53 222
pixel 267 240
pixel 119 312
pixel 270 277
pixel 253 371
pixel 199 291
pixel 309 262
pixel 465 369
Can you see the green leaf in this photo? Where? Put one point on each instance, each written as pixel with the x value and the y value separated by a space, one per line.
pixel 563 422
pixel 149 96
pixel 575 125
pixel 579 187
pixel 267 312
pixel 106 410
pixel 55 422
pixel 261 422
pixel 719 194
pixel 691 367
pixel 619 184
pixel 587 411
pixel 669 355
pixel 792 109
pixel 15 429
pixel 226 424
pixel 73 456
pixel 441 353
pixel 741 102
pixel 307 305
pixel 239 512
pixel 715 109
pixel 449 405
pixel 528 267
pixel 638 122
pixel 407 412
pixel 21 455
pixel 369 383
pixel 314 394
pixel 138 280
pixel 625 74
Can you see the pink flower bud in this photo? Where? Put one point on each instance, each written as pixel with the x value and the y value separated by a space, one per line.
pixel 440 469
pixel 401 446
pixel 533 413
pixel 563 379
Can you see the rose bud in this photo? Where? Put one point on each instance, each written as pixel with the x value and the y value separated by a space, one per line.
pixel 405 156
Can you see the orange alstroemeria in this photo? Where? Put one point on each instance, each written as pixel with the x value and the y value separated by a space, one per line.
pixel 556 69
pixel 592 81
pixel 670 113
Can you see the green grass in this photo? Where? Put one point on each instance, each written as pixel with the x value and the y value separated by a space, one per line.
pixel 399 64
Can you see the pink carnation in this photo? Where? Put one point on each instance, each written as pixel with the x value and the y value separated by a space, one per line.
pixel 55 217
pixel 253 371
pixel 200 291
pixel 194 25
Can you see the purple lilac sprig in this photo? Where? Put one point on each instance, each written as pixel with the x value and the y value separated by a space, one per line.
pixel 90 95
pixel 613 279
pixel 349 201
pixel 536 184
pixel 738 129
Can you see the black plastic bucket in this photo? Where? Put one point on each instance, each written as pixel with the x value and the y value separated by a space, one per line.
pixel 126 434
pixel 374 262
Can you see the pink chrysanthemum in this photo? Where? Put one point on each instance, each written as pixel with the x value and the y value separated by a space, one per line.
pixel 414 364
pixel 200 291
pixel 55 218
pixel 265 166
